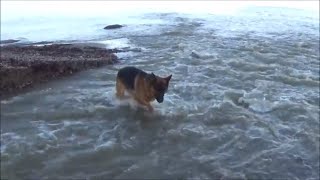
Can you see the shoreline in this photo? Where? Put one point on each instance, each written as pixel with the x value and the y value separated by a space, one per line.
pixel 25 66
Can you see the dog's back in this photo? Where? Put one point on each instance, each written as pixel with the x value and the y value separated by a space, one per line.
pixel 127 76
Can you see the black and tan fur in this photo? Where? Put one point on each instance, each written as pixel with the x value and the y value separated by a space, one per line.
pixel 143 87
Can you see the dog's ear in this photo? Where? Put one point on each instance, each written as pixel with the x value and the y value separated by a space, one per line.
pixel 168 78
pixel 152 78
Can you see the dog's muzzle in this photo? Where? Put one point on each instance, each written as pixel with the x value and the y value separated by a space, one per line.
pixel 159 99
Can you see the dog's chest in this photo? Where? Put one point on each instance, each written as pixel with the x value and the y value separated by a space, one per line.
pixel 149 96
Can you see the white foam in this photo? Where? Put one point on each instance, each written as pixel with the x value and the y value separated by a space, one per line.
pixel 116 43
pixel 106 145
pixel 8 139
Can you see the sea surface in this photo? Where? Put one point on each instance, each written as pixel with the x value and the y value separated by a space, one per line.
pixel 243 101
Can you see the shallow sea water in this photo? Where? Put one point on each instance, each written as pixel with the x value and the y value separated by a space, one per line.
pixel 243 103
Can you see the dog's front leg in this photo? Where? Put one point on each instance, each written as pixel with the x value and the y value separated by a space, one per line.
pixel 150 108
pixel 147 104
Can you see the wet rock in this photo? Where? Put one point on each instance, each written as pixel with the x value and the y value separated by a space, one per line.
pixel 24 66
pixel 43 43
pixel 195 54
pixel 113 26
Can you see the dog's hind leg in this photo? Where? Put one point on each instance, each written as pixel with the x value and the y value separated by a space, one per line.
pixel 120 88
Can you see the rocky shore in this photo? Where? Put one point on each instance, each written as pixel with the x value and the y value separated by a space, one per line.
pixel 22 67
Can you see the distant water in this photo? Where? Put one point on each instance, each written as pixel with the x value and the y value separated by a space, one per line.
pixel 243 101
pixel 52 21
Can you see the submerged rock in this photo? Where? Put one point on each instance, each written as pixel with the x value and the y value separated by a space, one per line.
pixel 113 26
pixel 24 66
pixel 195 54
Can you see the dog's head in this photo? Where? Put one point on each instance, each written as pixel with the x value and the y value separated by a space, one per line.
pixel 159 86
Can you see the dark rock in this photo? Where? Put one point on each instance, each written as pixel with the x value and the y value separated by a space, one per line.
pixel 195 55
pixel 114 26
pixel 24 66
pixel 42 43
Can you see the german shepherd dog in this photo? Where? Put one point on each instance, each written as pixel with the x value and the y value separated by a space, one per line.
pixel 143 87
